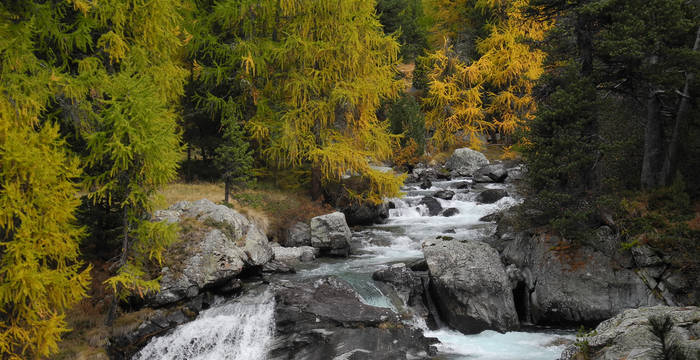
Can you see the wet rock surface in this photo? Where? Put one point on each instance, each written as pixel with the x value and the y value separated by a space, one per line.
pixel 470 286
pixel 324 318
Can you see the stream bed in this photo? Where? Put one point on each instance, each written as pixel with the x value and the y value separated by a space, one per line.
pixel 243 329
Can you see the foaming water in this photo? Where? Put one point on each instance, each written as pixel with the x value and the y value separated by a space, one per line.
pixel 491 345
pixel 239 330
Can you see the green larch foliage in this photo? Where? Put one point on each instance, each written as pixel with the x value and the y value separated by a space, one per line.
pixel 40 271
pixel 123 77
pixel 328 73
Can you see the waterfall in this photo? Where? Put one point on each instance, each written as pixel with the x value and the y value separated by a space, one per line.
pixel 239 330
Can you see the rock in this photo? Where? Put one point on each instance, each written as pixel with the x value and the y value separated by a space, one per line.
pixel 132 331
pixel 490 196
pixel 465 162
pixel 418 265
pixel 298 234
pixel 570 288
pixel 444 194
pixel 365 213
pixel 516 173
pixel 278 267
pixel 331 234
pixel 647 333
pixel 462 185
pixel 219 244
pixel 443 174
pixel 644 256
pixel 426 183
pixel 450 212
pixel 407 284
pixel 294 255
pixel 319 319
pixel 491 217
pixel 423 171
pixel 491 173
pixel 470 286
pixel 433 205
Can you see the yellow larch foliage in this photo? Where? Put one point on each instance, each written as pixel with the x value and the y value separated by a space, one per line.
pixel 495 90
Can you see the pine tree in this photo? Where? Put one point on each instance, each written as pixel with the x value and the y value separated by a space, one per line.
pixel 40 271
pixel 233 158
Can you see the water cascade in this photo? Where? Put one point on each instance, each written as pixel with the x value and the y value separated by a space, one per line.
pixel 238 330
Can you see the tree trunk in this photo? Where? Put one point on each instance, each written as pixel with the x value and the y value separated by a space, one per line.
pixel 122 261
pixel 227 189
pixel 652 164
pixel 315 181
pixel 680 127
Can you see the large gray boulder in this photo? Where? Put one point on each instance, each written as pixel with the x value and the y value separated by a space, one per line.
pixel 330 234
pixel 491 173
pixel 298 234
pixel 572 286
pixel 647 333
pixel 465 162
pixel 490 196
pixel 294 255
pixel 470 286
pixel 324 318
pixel 218 244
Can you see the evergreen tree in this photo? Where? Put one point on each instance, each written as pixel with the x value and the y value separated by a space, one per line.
pixel 233 158
pixel 40 271
pixel 406 18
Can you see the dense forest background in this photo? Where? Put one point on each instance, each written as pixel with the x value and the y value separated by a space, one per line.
pixel 103 103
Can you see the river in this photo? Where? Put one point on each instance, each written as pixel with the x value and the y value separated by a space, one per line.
pixel 244 328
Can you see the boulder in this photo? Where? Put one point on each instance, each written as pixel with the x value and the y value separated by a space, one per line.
pixel 406 282
pixel 450 212
pixel 432 204
pixel 294 255
pixel 647 333
pixel 644 256
pixel 365 213
pixel 219 243
pixel 462 185
pixel 330 234
pixel 491 217
pixel 491 173
pixel 571 286
pixel 324 318
pixel 490 196
pixel 425 183
pixel 298 234
pixel 470 286
pixel 465 162
pixel 444 194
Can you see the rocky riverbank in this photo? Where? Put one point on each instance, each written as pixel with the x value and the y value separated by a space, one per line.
pixel 462 270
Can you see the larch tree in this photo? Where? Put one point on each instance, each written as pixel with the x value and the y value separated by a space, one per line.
pixel 125 78
pixel 316 72
pixel 495 90
pixel 40 271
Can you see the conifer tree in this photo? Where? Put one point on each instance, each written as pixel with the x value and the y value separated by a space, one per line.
pixel 316 73
pixel 233 157
pixel 495 90
pixel 40 271
pixel 124 77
